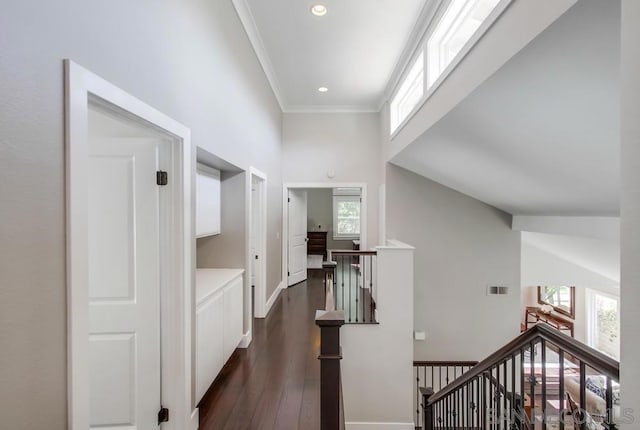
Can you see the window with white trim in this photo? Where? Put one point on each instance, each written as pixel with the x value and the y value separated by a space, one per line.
pixel 346 214
pixel 409 94
pixel 455 28
pixel 603 323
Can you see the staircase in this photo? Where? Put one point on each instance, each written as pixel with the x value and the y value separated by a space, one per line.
pixel 543 379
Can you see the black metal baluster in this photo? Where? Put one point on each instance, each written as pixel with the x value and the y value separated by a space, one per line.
pixel 513 391
pixel 523 411
pixel 561 373
pixel 583 393
pixel 532 381
pixel 609 401
pixel 505 408
pixel 543 347
pixel 371 288
pixel 350 303
pixel 418 394
pixel 484 402
pixel 344 308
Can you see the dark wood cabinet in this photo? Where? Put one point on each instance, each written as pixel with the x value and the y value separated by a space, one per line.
pixel 317 243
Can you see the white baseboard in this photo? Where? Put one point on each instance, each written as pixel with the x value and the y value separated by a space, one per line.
pixel 273 297
pixel 246 340
pixel 379 426
pixel 195 419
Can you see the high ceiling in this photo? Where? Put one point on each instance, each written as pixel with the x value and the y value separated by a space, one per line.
pixel 352 50
pixel 541 136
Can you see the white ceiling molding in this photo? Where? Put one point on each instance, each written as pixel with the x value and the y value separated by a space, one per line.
pixel 414 42
pixel 331 109
pixel 249 24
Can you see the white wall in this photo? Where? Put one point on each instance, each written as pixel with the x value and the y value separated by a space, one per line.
pixel 377 381
pixel 462 245
pixel 630 210
pixel 190 60
pixel 345 143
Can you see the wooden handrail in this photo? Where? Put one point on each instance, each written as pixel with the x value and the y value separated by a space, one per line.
pixel 444 363
pixel 541 331
pixel 353 253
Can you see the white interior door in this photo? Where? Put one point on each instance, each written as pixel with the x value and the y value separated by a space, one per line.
pixel 124 283
pixel 297 236
pixel 256 234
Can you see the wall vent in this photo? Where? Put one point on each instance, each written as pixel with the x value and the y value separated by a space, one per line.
pixel 497 290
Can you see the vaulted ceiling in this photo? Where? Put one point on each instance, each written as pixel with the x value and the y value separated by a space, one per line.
pixel 541 136
pixel 352 50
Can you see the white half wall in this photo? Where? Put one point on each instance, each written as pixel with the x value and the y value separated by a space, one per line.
pixel 630 211
pixel 377 376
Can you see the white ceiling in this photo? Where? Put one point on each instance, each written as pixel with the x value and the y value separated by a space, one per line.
pixel 541 135
pixel 352 50
pixel 598 256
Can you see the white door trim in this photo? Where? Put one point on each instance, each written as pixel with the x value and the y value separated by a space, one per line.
pixel 285 214
pixel 261 288
pixel 82 88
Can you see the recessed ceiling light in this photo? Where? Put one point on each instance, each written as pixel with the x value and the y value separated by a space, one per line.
pixel 319 10
pixel 323 89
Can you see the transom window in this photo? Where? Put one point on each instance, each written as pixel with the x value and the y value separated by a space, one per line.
pixel 456 27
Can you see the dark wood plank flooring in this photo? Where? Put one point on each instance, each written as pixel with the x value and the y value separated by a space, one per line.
pixel 275 383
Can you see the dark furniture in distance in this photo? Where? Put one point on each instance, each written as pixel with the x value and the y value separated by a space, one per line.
pixel 533 315
pixel 317 243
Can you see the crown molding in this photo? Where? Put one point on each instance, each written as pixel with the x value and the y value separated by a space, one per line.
pixel 331 109
pixel 248 22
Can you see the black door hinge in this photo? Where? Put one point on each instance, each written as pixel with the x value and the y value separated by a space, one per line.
pixel 163 415
pixel 288 273
pixel 289 200
pixel 162 177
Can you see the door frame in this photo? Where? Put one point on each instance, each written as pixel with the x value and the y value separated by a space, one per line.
pixel 285 214
pixel 82 90
pixel 261 288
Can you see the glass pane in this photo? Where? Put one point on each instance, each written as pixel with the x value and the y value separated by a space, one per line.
pixel 607 326
pixel 348 217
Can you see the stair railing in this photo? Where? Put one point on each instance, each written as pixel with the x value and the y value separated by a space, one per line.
pixel 435 375
pixel 528 383
pixel 354 284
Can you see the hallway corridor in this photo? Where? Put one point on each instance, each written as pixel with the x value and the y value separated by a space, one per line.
pixel 275 383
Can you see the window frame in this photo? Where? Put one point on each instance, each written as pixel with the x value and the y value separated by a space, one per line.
pixel 345 198
pixel 421 49
pixel 591 330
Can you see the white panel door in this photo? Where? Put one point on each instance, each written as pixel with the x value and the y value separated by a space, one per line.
pixel 124 283
pixel 297 236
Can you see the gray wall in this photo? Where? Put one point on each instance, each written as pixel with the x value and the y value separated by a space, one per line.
pixel 630 210
pixel 462 245
pixel 346 143
pixel 190 60
pixel 320 212
pixel 227 249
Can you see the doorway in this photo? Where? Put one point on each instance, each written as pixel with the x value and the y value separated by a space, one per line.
pixel 313 226
pixel 129 248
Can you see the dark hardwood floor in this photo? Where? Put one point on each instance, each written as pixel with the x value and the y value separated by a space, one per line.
pixel 275 383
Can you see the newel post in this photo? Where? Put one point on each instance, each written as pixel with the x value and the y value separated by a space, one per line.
pixel 330 356
pixel 427 408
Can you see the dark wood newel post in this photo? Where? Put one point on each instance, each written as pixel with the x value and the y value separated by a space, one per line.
pixel 330 356
pixel 427 409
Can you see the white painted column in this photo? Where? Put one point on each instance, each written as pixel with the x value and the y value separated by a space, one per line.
pixel 630 210
pixel 377 372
